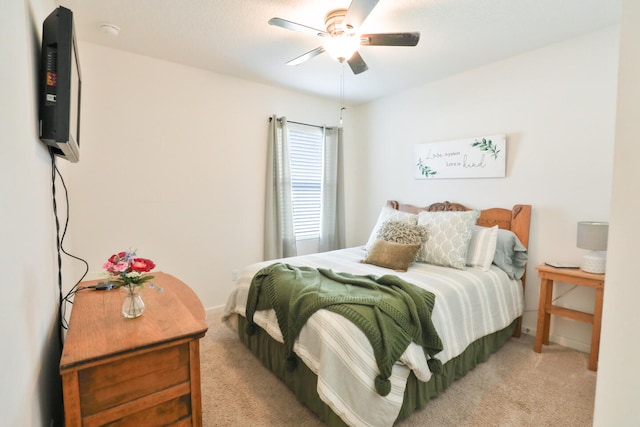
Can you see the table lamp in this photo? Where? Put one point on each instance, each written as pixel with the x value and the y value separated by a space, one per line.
pixel 593 236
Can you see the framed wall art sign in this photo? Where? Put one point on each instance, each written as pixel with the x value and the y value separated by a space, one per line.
pixel 481 157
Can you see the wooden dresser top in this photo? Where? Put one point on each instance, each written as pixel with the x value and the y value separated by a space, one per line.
pixel 97 329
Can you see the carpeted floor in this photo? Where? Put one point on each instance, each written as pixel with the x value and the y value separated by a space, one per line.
pixel 515 387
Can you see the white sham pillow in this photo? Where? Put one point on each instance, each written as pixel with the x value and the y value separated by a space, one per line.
pixel 448 237
pixel 482 247
pixel 389 214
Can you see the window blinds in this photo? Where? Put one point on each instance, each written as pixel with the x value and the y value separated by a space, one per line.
pixel 306 156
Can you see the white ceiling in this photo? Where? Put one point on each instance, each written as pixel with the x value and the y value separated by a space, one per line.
pixel 232 37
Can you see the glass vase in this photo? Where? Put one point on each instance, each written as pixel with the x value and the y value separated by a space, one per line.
pixel 132 306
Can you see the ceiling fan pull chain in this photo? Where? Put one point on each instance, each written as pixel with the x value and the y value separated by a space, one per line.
pixel 342 107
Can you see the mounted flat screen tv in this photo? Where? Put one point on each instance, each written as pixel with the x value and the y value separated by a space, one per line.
pixel 60 84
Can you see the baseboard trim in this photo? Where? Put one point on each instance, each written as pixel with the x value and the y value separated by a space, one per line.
pixel 215 312
pixel 563 341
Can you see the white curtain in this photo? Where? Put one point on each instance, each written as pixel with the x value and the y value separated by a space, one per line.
pixel 332 216
pixel 279 238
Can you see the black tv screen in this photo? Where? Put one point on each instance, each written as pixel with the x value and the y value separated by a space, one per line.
pixel 60 86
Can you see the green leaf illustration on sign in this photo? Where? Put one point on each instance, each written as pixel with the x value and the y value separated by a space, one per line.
pixel 425 170
pixel 486 145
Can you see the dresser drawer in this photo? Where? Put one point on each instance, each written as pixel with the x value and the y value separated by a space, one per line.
pixel 106 386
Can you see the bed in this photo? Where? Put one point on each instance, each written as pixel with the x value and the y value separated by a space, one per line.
pixel 478 307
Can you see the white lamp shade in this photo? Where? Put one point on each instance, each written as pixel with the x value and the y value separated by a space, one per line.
pixel 592 235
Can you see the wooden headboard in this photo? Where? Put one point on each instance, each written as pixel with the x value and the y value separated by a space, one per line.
pixel 516 219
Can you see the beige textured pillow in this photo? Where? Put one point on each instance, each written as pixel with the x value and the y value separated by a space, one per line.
pixel 402 232
pixel 397 256
pixel 389 214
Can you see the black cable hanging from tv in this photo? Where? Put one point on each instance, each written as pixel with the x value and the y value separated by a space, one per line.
pixel 62 300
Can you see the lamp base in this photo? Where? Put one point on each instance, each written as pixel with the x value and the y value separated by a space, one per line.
pixel 594 263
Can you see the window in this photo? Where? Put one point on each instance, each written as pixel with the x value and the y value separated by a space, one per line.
pixel 305 144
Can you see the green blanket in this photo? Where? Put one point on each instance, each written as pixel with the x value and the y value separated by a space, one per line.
pixel 390 311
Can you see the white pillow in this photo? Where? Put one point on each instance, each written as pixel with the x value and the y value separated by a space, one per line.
pixel 448 238
pixel 389 214
pixel 482 247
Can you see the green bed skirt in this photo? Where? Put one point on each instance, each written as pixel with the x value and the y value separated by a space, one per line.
pixel 302 381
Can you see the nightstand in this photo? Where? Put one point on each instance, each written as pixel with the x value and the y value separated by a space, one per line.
pixel 547 276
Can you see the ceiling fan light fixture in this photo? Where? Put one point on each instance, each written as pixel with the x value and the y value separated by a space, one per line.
pixel 343 37
pixel 341 47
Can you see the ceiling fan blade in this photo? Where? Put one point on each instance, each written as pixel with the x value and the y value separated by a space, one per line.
pixel 357 64
pixel 307 56
pixel 358 12
pixel 390 39
pixel 289 25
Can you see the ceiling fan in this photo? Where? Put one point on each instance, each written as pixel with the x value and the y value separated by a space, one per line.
pixel 342 37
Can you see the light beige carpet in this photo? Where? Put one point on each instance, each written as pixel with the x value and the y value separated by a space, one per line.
pixel 515 387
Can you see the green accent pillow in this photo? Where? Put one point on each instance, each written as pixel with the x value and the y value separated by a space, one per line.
pixel 448 238
pixel 511 255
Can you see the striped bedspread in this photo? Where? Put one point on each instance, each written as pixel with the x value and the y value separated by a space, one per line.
pixel 469 304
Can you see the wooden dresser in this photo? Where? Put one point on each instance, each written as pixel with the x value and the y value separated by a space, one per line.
pixel 133 372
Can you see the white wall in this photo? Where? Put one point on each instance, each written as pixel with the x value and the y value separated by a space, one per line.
pixel 618 387
pixel 557 107
pixel 30 393
pixel 172 162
